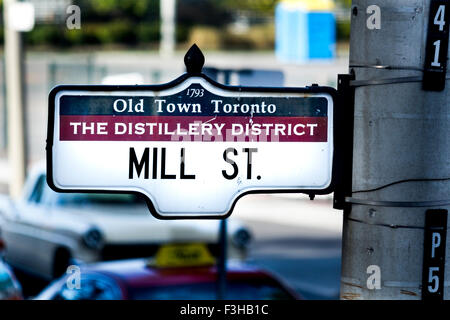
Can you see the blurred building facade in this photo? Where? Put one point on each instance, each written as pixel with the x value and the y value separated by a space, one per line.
pixel 305 29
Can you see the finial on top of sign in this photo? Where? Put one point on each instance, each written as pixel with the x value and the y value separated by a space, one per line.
pixel 194 60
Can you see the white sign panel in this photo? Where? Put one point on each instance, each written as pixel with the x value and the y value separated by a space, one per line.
pixel 191 147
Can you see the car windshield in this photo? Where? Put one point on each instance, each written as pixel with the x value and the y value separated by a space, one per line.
pixel 43 194
pixel 80 199
pixel 208 291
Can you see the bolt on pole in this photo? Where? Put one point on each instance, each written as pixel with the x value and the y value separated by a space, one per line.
pixel 401 155
pixel 15 104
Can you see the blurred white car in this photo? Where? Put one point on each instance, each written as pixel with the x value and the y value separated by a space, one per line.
pixel 10 288
pixel 46 231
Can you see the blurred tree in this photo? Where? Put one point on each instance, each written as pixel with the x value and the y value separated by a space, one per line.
pixel 265 7
pixel 202 12
pixel 191 13
pixel 128 22
pixel 109 10
pixel 344 3
pixel 137 22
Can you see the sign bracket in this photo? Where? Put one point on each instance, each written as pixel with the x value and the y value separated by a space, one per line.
pixel 344 125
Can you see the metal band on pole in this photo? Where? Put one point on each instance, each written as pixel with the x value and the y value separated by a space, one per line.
pixel 398 204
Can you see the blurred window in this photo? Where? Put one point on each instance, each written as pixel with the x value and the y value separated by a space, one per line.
pixel 236 290
pixel 36 194
pixel 81 199
pixel 43 194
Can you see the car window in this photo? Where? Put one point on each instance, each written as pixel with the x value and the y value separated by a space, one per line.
pixel 236 290
pixel 80 199
pixel 43 194
pixel 36 194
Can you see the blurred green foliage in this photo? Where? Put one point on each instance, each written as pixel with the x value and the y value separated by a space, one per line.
pixel 343 30
pixel 343 26
pixel 137 23
pixel 259 6
pixel 104 22
pixel 345 3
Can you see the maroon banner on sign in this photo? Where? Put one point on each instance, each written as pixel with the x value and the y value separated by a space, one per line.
pixel 189 128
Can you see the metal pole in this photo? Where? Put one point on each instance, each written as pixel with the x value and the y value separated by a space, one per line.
pixel 401 153
pixel 4 109
pixel 167 12
pixel 15 105
pixel 222 263
pixel 52 75
pixel 90 69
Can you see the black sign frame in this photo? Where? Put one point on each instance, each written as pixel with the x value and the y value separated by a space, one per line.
pixel 194 70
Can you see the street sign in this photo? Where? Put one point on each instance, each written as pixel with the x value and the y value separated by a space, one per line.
pixel 192 147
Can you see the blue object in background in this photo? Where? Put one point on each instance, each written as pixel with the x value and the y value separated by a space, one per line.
pixel 302 35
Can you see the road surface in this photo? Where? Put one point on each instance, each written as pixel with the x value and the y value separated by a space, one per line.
pixel 297 239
